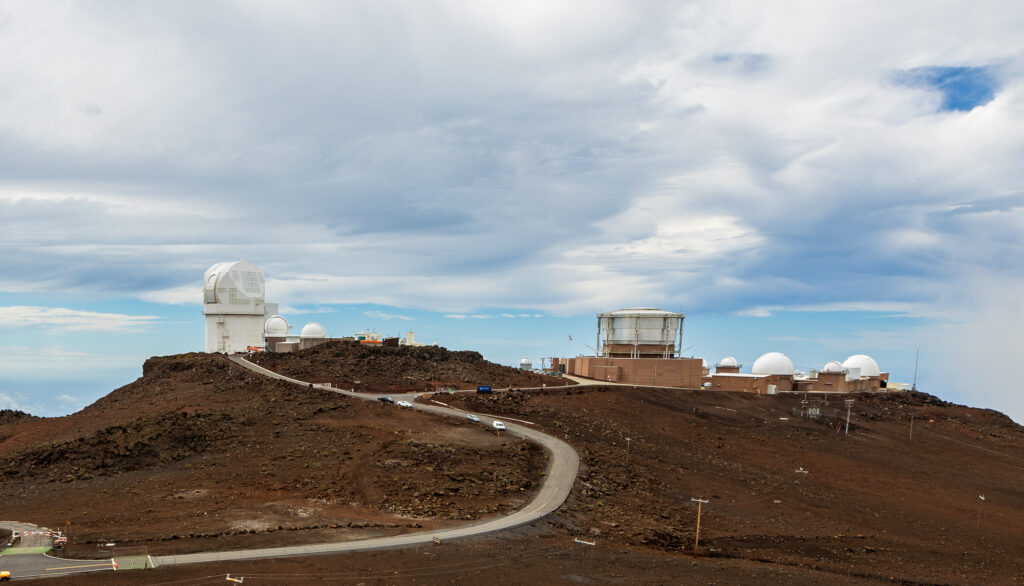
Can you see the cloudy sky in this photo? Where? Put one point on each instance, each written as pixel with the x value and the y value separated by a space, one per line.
pixel 820 179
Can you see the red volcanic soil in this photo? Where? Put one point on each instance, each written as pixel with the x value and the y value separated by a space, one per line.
pixel 200 453
pixel 351 365
pixel 791 499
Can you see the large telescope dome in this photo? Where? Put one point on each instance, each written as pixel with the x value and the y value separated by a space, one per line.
pixel 233 282
pixel 773 363
pixel 867 365
pixel 313 330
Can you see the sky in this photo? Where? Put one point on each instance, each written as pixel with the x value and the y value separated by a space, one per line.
pixel 819 179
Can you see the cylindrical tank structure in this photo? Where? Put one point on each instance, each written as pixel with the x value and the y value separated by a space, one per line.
pixel 640 332
pixel 526 364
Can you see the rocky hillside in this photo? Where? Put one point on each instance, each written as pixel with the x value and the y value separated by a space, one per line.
pixel 350 365
pixel 885 502
pixel 199 449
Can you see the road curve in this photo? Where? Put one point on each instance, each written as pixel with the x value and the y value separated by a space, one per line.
pixel 563 464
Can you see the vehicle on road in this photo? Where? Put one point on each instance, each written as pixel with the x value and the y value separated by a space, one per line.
pixel 473 418
pixel 706 385
pixel 5 576
pixel 483 389
pixel 404 404
pixel 385 399
pixel 499 426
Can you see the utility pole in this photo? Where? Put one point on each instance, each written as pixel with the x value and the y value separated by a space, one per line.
pixel 978 524
pixel 627 451
pixel 917 354
pixel 849 404
pixel 696 538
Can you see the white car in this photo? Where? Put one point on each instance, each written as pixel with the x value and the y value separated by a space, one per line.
pixel 404 404
pixel 473 418
pixel 499 426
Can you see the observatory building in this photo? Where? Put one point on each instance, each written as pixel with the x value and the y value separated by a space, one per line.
pixel 638 346
pixel 642 346
pixel 234 307
pixel 641 332
pixel 238 318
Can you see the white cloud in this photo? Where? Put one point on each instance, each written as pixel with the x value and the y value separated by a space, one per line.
pixel 71 320
pixel 383 315
pixel 287 309
pixel 894 308
pixel 508 315
pixel 748 160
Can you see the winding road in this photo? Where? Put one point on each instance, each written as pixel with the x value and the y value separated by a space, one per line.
pixel 563 465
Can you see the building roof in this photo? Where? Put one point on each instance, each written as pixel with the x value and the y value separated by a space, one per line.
pixel 641 312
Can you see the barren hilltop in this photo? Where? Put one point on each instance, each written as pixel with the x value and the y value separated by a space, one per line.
pixel 200 454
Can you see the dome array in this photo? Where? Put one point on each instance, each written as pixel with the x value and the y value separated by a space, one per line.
pixel 313 330
pixel 773 363
pixel 728 361
pixel 867 365
pixel 277 326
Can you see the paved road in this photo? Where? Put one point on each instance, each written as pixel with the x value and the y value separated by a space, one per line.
pixel 39 565
pixel 563 464
pixel 35 565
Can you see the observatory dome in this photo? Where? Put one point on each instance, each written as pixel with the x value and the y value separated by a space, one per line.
pixel 832 366
pixel 867 365
pixel 313 330
pixel 276 327
pixel 773 363
pixel 728 361
pixel 233 282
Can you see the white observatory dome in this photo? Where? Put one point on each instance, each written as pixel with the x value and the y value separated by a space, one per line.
pixel 773 363
pixel 313 330
pixel 832 366
pixel 728 361
pixel 233 282
pixel 867 365
pixel 276 327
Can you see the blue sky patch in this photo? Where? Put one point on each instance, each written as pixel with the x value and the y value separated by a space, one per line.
pixel 962 88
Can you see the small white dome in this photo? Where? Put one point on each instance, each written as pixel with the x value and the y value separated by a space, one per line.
pixel 728 361
pixel 773 363
pixel 313 330
pixel 832 366
pixel 276 327
pixel 867 365
pixel 525 361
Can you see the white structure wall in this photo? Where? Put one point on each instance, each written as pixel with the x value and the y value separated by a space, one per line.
pixel 234 306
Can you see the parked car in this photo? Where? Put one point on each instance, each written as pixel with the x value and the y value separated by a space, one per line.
pixel 499 426
pixel 404 404
pixel 473 418
pixel 5 576
pixel 385 399
pixel 706 385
